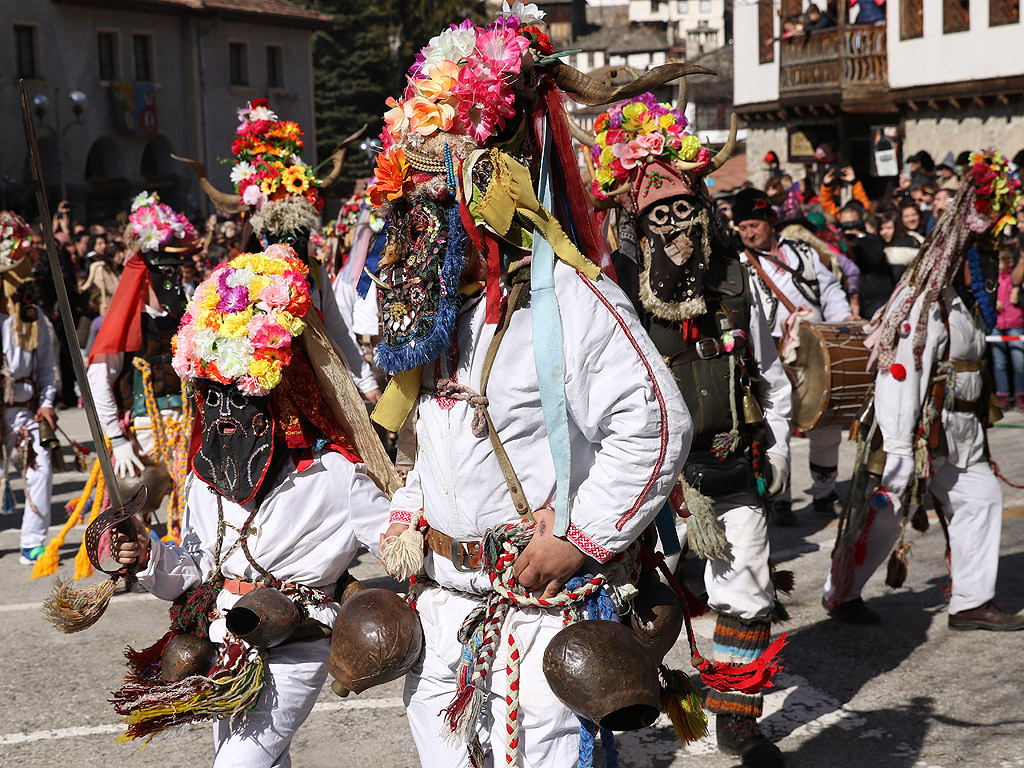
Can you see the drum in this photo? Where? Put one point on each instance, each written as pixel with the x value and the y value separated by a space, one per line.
pixel 830 375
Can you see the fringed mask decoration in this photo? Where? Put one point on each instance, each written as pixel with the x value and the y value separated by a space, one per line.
pixel 237 448
pixel 676 225
pixel 418 279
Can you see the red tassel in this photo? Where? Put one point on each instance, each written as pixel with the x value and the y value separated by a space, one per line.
pixel 749 678
pixel 453 712
pixel 690 332
pixel 695 606
pixel 145 664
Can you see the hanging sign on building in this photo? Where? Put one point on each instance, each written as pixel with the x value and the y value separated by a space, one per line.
pixel 134 108
pixel 801 149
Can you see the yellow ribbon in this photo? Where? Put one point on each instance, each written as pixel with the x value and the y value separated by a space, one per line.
pixel 398 399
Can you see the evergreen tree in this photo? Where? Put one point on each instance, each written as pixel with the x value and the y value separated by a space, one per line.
pixel 363 60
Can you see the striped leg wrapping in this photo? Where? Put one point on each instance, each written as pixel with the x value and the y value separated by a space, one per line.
pixel 738 642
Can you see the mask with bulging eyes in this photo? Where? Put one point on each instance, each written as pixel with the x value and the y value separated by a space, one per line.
pixel 238 442
pixel 675 257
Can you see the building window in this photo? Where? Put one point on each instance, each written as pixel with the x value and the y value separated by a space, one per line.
pixel 911 19
pixel 238 63
pixel 766 30
pixel 106 44
pixel 705 6
pixel 275 66
pixel 683 6
pixel 956 16
pixel 1003 12
pixel 655 6
pixel 142 52
pixel 25 58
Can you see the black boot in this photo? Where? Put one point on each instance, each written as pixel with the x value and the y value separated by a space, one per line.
pixel 783 514
pixel 742 736
pixel 829 505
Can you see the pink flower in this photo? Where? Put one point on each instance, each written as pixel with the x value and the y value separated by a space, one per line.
pixel 629 154
pixel 254 196
pixel 276 295
pixel 272 335
pixel 503 47
pixel 654 143
pixel 484 105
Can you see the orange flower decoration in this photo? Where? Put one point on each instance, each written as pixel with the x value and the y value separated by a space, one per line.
pixel 392 177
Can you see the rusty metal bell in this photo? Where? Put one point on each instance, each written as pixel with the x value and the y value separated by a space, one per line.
pixel 657 618
pixel 376 638
pixel 263 618
pixel 601 671
pixel 186 655
pixel 156 480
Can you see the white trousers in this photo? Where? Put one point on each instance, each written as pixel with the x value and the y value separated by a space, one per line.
pixel 824 452
pixel 548 730
pixel 973 502
pixel 261 738
pixel 739 585
pixel 38 481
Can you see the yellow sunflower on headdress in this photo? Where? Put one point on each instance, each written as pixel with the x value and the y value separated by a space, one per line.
pixel 294 179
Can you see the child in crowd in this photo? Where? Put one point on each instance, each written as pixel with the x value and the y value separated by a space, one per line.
pixel 1008 356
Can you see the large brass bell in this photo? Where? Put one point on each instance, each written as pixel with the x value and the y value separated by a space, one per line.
pixel 187 655
pixel 263 618
pixel 657 618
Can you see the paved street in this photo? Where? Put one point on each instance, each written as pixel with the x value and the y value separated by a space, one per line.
pixel 907 694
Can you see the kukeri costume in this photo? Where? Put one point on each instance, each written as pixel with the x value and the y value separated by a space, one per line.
pixel 28 375
pixel 696 303
pixel 792 277
pixel 930 408
pixel 138 394
pixel 533 385
pixel 277 505
pixel 285 198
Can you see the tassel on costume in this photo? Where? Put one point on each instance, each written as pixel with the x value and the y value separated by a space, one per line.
pixel 403 556
pixel 682 703
pixel 919 521
pixel 896 572
pixel 704 533
pixel 750 678
pixel 72 610
pixel 842 575
pixel 782 580
pixel 49 561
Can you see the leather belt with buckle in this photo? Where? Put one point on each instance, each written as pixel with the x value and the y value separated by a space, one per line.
pixel 702 349
pixel 464 553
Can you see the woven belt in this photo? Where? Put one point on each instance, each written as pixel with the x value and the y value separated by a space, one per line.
pixel 464 553
pixel 961 405
pixel 967 366
pixel 242 587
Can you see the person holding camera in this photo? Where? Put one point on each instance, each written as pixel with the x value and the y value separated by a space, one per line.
pixel 876 282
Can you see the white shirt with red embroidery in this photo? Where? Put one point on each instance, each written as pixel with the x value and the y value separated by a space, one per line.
pixel 629 428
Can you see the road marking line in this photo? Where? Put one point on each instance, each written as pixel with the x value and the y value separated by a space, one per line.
pixel 118 599
pixel 79 731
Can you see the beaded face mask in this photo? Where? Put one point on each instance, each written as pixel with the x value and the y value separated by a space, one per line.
pixel 238 441
pixel 675 256
pixel 418 281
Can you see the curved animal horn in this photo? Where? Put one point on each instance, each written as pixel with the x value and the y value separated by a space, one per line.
pixel 338 160
pixel 726 151
pixel 223 201
pixel 587 90
pixel 682 95
pixel 581 134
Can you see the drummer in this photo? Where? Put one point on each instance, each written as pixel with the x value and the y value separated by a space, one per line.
pixel 788 276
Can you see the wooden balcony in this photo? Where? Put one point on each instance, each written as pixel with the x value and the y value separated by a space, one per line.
pixel 834 65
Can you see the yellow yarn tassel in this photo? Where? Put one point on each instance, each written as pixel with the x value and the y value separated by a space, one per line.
pixel 683 706
pixel 49 561
pixel 83 568
pixel 403 556
pixel 72 610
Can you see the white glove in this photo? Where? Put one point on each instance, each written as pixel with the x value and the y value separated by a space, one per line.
pixel 126 462
pixel 899 468
pixel 779 474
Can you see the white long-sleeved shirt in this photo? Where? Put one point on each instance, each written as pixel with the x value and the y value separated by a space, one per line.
pixel 827 300
pixel 343 336
pixel 898 403
pixel 39 364
pixel 307 532
pixel 775 392
pixel 629 429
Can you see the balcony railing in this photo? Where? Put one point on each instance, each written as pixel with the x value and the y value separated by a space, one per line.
pixel 834 59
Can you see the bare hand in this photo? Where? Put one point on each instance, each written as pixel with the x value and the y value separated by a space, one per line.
pixel 48 415
pixel 373 396
pixel 848 175
pixel 1000 306
pixel 393 532
pixel 130 550
pixel 830 177
pixel 547 562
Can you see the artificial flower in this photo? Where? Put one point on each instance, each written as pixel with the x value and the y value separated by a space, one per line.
pixel 526 13
pixel 392 174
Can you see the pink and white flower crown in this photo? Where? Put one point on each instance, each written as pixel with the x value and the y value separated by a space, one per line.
pixel 155 226
pixel 242 319
pixel 15 238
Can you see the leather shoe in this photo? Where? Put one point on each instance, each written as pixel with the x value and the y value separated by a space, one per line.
pixel 990 616
pixel 827 505
pixel 854 612
pixel 783 514
pixel 742 736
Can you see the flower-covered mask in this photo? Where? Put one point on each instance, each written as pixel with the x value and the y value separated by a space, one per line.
pixel 675 256
pixel 418 281
pixel 238 442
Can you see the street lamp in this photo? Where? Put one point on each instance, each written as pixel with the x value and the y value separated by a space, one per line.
pixel 41 102
pixel 79 101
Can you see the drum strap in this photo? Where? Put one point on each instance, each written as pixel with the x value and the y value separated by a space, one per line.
pixel 755 262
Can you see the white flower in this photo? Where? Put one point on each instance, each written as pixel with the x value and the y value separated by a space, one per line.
pixel 240 277
pixel 450 45
pixel 234 356
pixel 529 13
pixel 262 113
pixel 241 172
pixel 296 160
pixel 141 199
pixel 204 340
pixel 150 239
